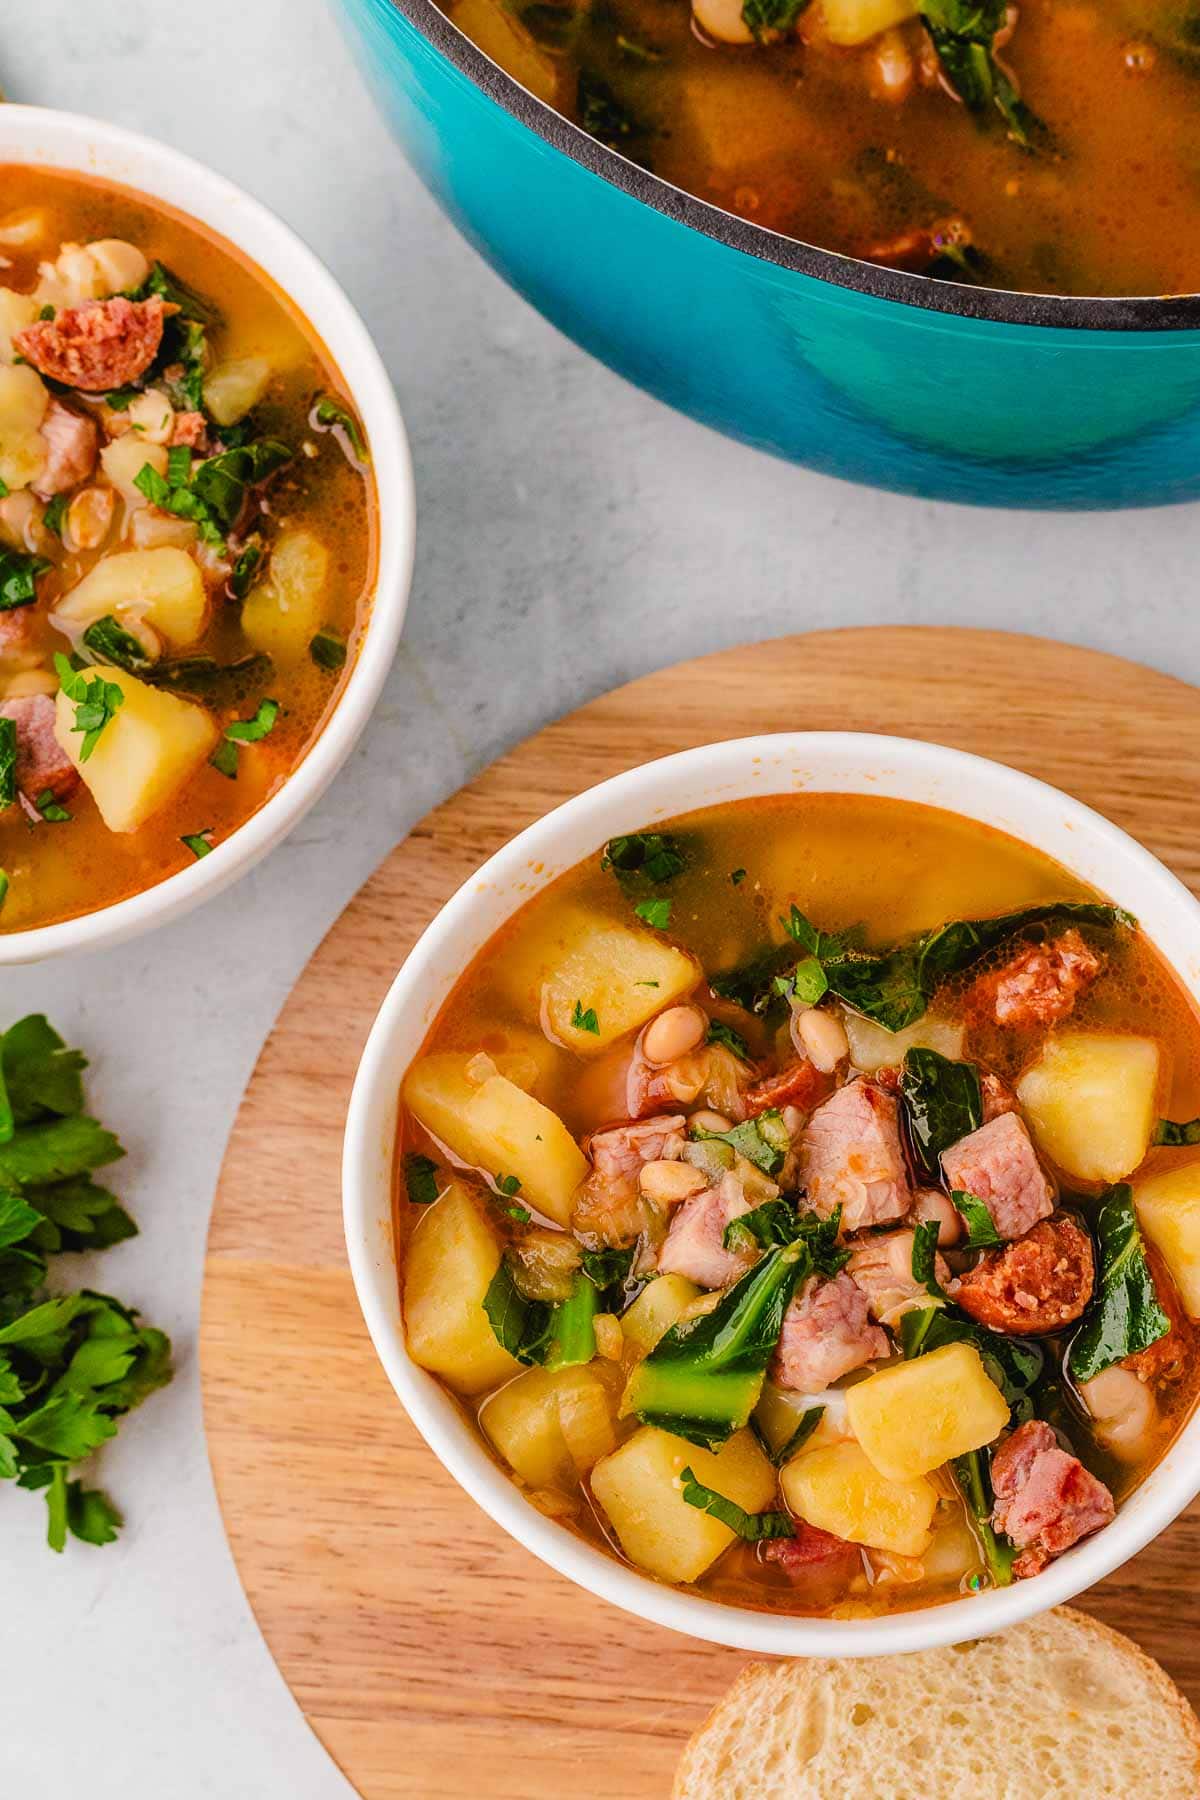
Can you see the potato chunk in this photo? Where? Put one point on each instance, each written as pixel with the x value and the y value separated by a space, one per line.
pixel 164 587
pixel 1090 1099
pixel 855 21
pixel 284 613
pixel 837 1488
pixel 1168 1210
pixel 234 387
pixel 491 1124
pixel 123 461
pixel 640 1490
pixel 144 754
pixel 913 1416
pixel 661 1304
pixel 448 1268
pixel 16 312
pixel 551 1425
pixel 23 403
pixel 591 966
pixel 873 1048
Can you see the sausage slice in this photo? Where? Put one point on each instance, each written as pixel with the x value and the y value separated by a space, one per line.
pixel 100 345
pixel 1038 1284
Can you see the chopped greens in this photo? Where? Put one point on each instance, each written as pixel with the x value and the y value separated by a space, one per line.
pixel 751 1527
pixel 972 1474
pixel 1013 1364
pixel 601 114
pixel 1125 1315
pixel 572 1327
pixel 96 703
pixel 332 414
pixel 8 763
pixel 223 481
pixel 778 1222
pixel 768 19
pixel 942 1103
pixel 420 1178
pixel 197 842
pixel 703 1378
pixel 109 642
pixel 201 675
pixel 181 499
pixel 18 578
pixel 737 877
pixel 254 730
pixel 764 1140
pixel 168 287
pixel 720 1033
pixel 654 912
pixel 72 1365
pixel 328 650
pixel 582 1020
pixel 1168 1131
pixel 809 1420
pixel 924 1257
pixel 963 33
pixel 653 855
pixel 54 514
pixel 538 1333
pixel 51 809
pixel 244 569
pixel 981 1227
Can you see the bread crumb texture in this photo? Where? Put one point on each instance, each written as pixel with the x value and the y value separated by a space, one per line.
pixel 1060 1708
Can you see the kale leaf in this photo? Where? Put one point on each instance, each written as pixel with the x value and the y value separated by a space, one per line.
pixel 1125 1315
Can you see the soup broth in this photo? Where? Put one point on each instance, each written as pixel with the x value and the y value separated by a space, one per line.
pixel 711 1022
pixel 222 593
pixel 843 126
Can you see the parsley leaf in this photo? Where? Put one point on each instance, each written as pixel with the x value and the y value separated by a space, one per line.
pixel 96 702
pixel 768 19
pixel 720 1033
pixel 328 650
pixel 981 1227
pixel 331 414
pixel 18 578
pixel 252 731
pixel 420 1178
pixel 924 1257
pixel 50 808
pixel 655 912
pixel 585 1021
pixel 54 514
pixel 8 763
pixel 654 855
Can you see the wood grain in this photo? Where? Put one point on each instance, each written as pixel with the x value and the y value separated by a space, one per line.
pixel 434 1658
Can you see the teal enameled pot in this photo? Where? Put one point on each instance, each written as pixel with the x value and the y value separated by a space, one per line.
pixel 928 387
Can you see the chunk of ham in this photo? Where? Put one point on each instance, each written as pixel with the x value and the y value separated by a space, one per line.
pixel 827 1331
pixel 70 441
pixel 812 1551
pixel 190 429
pixel 999 1165
pixel 695 1246
pixel 850 1156
pixel 619 1151
pixel 881 1268
pixel 100 345
pixel 799 1083
pixel 1040 985
pixel 997 1096
pixel 609 1208
pixel 42 765
pixel 1045 1499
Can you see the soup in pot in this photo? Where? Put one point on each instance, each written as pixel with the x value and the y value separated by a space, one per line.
pixel 800 1198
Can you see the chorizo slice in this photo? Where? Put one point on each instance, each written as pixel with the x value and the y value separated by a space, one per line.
pixel 799 1083
pixel 1040 1283
pixel 100 345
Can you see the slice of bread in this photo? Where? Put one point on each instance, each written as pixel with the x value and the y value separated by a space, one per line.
pixel 1060 1708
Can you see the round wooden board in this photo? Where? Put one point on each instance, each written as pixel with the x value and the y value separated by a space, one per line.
pixel 434 1658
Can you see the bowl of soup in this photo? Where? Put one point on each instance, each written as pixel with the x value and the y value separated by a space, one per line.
pixel 949 253
pixel 206 532
pixel 771 1186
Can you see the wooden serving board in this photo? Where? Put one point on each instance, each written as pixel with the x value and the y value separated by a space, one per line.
pixel 434 1658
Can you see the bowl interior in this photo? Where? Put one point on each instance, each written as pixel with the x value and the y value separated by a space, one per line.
pixel 39 137
pixel 1080 839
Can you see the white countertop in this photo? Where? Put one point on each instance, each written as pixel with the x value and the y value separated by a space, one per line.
pixel 572 533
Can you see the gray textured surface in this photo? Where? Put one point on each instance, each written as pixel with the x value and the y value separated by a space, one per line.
pixel 572 534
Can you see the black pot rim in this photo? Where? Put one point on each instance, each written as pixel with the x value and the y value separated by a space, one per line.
pixel 1002 306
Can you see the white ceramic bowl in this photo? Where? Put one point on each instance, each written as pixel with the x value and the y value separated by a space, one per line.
pixel 819 761
pixel 58 140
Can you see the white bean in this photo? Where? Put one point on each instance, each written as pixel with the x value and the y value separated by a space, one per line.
pixel 152 416
pixel 722 20
pixel 1124 1411
pixel 820 1036
pixel 89 518
pixel 670 1182
pixel 673 1033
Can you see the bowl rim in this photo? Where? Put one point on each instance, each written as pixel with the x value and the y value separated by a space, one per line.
pixel 1137 313
pixel 526 864
pixel 43 136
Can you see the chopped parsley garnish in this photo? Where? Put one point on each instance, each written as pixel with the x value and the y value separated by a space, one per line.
pixel 47 312
pixel 8 763
pixel 509 1184
pixel 1175 1134
pixel 737 877
pixel 179 465
pixel 330 414
pixel 981 1227
pixel 421 1178
pixel 50 808
pixel 96 702
pixel 3 488
pixel 180 500
pixel 197 842
pixel 653 855
pixel 768 19
pixel 18 578
pixel 4 887
pixel 224 760
pixel 654 912
pixel 252 731
pixel 54 515
pixel 244 569
pixel 585 1021
pixel 328 650
pixel 720 1033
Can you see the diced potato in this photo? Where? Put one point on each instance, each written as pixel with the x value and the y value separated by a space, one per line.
pixel 448 1267
pixel 125 458
pixel 872 1048
pixel 1168 1210
pixel 492 1124
pixel 854 21
pixel 163 587
pixel 20 229
pixel 23 403
pixel 501 36
pixel 284 613
pixel 911 1417
pixel 837 1488
pixel 640 1490
pixel 234 387
pixel 551 1426
pixel 620 973
pixel 661 1304
pixel 1090 1100
pixel 144 754
pixel 16 311
pixel 119 266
